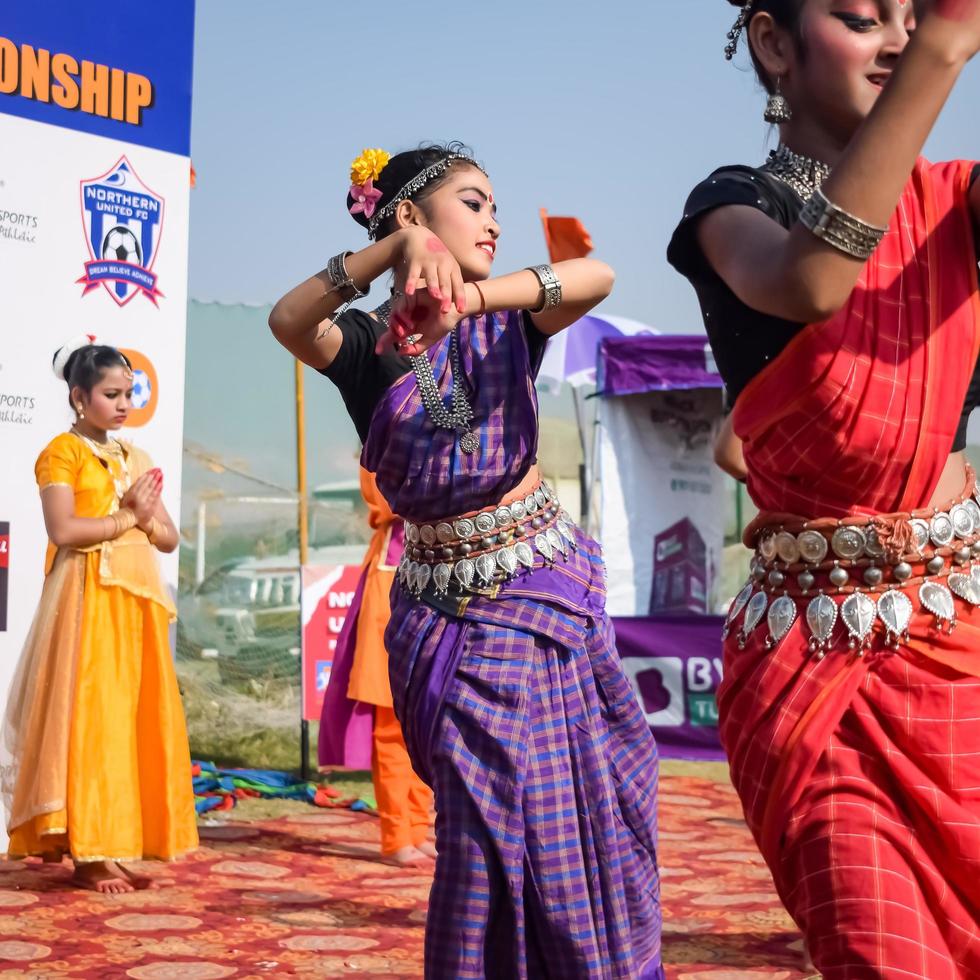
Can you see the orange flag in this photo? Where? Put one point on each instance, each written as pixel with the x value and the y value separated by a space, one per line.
pixel 566 238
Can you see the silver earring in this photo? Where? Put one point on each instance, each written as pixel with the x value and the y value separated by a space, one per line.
pixel 777 108
pixel 78 409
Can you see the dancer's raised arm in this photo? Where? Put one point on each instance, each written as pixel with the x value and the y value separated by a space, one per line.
pixel 584 284
pixel 301 320
pixel 792 273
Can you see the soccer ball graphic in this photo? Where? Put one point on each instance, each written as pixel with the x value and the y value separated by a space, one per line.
pixel 122 245
pixel 142 390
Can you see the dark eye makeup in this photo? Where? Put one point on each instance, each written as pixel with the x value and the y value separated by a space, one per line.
pixel 856 22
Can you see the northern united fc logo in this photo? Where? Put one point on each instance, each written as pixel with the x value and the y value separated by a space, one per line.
pixel 123 220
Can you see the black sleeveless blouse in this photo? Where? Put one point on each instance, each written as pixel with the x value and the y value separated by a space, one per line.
pixel 742 339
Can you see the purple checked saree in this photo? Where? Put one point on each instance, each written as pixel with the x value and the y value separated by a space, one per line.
pixel 516 710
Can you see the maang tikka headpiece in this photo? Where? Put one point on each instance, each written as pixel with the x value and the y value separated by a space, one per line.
pixel 736 32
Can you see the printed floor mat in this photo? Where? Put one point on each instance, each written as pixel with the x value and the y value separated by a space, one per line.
pixel 304 895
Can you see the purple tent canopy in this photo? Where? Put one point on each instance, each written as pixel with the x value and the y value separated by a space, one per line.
pixel 571 354
pixel 632 365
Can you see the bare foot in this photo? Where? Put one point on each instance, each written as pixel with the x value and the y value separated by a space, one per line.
pixel 101 877
pixel 139 882
pixel 428 849
pixel 407 857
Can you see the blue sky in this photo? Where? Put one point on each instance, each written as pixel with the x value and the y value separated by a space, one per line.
pixel 610 112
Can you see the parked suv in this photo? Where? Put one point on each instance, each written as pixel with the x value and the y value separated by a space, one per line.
pixel 247 614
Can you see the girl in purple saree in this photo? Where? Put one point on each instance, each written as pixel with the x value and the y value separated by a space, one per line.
pixel 503 664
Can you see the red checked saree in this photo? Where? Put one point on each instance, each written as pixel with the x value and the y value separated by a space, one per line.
pixel 860 774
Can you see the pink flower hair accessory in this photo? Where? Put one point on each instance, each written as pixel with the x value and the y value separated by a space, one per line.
pixel 366 197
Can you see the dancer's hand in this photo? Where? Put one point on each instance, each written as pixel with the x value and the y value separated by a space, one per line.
pixel 141 498
pixel 422 319
pixel 952 26
pixel 425 261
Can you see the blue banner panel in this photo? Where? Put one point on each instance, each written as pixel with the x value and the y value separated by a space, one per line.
pixel 122 72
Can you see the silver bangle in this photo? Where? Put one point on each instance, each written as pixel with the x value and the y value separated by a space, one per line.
pixel 839 229
pixel 551 285
pixel 340 278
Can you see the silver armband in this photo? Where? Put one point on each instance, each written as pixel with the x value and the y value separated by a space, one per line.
pixel 551 285
pixel 340 279
pixel 838 228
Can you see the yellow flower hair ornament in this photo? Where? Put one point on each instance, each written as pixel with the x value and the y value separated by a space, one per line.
pixel 364 171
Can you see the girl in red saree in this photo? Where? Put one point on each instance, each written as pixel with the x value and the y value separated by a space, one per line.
pixel 838 284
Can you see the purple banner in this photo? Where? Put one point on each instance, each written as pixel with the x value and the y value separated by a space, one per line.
pixel 632 365
pixel 674 664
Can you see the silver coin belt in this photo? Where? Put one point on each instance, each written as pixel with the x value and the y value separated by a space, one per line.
pixel 473 554
pixel 844 582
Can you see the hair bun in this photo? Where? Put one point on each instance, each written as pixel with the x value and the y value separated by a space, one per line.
pixel 59 363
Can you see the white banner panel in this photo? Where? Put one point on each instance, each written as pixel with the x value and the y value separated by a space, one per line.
pixel 94 197
pixel 663 506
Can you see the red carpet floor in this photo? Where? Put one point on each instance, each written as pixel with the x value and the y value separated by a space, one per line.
pixel 304 896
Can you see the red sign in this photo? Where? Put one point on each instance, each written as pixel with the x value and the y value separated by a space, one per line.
pixel 328 591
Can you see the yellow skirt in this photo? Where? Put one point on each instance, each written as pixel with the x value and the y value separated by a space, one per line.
pixel 113 779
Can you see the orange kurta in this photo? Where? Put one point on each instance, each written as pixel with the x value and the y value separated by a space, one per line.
pixel 404 801
pixel 96 761
pixel 369 673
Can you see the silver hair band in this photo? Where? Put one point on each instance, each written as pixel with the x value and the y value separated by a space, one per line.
pixel 415 185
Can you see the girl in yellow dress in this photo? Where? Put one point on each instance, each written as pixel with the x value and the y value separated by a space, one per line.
pixel 96 763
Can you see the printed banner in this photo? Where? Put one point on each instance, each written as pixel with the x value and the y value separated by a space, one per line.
pixel 107 75
pixel 663 506
pixel 674 664
pixel 328 591
pixel 94 199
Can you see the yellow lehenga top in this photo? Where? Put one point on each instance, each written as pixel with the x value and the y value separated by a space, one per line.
pixel 96 663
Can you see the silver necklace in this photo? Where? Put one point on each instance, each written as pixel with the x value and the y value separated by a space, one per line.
pixel 458 417
pixel 803 174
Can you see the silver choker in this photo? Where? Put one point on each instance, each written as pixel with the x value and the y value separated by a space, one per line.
pixel 458 417
pixel 804 175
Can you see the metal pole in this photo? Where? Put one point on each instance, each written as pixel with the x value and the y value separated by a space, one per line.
pixel 585 470
pixel 591 523
pixel 301 466
pixel 199 566
pixel 303 520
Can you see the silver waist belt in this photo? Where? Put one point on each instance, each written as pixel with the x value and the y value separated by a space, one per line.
pixel 845 582
pixel 477 552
